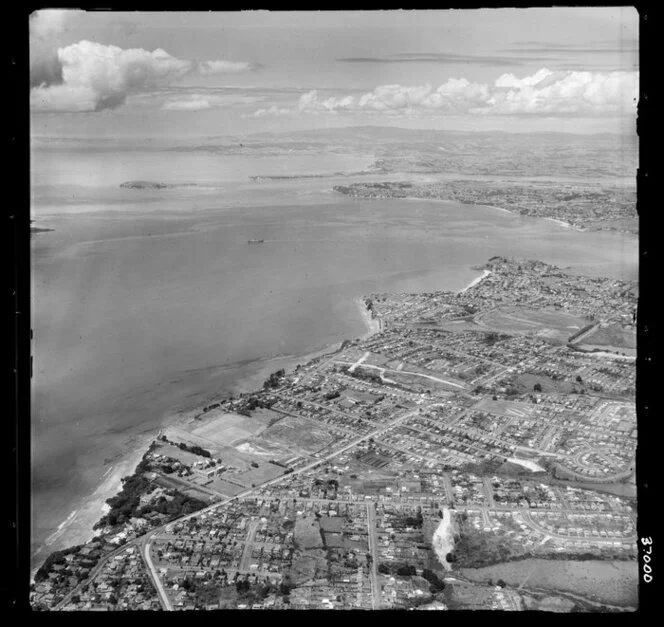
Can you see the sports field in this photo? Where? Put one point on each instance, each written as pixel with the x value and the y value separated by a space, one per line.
pixel 549 325
pixel 298 435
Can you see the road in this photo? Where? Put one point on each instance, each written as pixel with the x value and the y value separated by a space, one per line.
pixel 373 549
pixel 154 575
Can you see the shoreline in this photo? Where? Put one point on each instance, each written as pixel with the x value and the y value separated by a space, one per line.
pixel 373 324
pixel 77 528
pixel 513 213
pixel 475 281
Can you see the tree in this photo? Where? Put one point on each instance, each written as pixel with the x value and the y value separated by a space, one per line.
pixel 537 387
pixel 579 379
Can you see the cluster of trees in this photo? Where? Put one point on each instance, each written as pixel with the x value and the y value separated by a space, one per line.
pixel 192 448
pixel 126 504
pixel 408 570
pixel 274 379
pixel 437 584
pixel 410 521
pixel 253 402
pixel 476 549
pixel 492 337
pixel 57 557
pixel 365 375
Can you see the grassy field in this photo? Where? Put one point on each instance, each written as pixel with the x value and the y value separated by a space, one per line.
pixel 506 408
pixel 331 524
pixel 180 486
pixel 298 435
pixel 608 581
pixel 307 533
pixel 174 452
pixel 613 335
pixel 549 325
pixel 225 429
pixel 264 472
pixel 229 489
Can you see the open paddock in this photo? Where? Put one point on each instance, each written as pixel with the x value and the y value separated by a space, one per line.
pixel 331 524
pixel 225 487
pixel 172 483
pixel 297 436
pixel 510 409
pixel 184 457
pixel 224 429
pixel 549 325
pixel 612 337
pixel 264 472
pixel 334 540
pixel 420 382
pixel 614 582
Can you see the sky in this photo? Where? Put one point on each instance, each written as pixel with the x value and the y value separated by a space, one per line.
pixel 154 74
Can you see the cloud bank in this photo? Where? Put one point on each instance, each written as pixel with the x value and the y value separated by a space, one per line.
pixel 543 93
pixel 89 76
pixel 227 67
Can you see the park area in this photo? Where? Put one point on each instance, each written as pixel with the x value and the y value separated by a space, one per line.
pixel 299 436
pixel 216 429
pixel 553 326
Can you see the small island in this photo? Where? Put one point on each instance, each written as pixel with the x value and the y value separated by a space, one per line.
pixel 144 185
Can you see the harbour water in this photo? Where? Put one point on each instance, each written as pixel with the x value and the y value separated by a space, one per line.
pixel 150 302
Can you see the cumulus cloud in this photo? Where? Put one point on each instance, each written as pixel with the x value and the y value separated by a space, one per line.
pixel 544 92
pixel 227 67
pixel 311 102
pixel 106 74
pixel 273 110
pixel 199 101
pixel 47 22
pixel 89 76
pixel 45 27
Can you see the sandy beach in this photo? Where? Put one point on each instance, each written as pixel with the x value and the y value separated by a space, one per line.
pixel 474 282
pixel 499 209
pixel 372 324
pixel 562 223
pixel 77 528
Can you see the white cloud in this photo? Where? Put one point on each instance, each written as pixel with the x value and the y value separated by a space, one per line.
pixel 46 27
pixel 89 76
pixel 543 93
pixel 310 102
pixel 227 67
pixel 199 101
pixel 271 111
pixel 48 22
pixel 187 105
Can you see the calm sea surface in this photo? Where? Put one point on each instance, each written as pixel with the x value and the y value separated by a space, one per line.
pixel 148 302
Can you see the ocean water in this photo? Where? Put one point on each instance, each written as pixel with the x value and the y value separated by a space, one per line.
pixel 145 303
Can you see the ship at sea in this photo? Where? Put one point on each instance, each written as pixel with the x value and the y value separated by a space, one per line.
pixel 256 241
